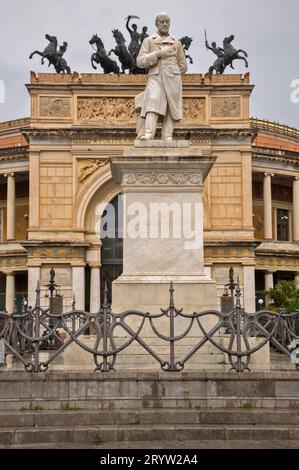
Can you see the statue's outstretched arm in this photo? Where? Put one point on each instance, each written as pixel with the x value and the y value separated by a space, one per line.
pixel 128 27
pixel 209 47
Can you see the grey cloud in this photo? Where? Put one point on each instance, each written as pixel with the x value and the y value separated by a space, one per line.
pixel 267 29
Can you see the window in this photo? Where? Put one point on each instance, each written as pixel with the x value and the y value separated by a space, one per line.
pixel 283 225
pixel 1 224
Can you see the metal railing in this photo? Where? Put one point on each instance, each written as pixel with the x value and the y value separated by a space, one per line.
pixel 28 334
pixel 263 124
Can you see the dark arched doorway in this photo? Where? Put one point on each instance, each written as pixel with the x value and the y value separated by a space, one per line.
pixel 112 248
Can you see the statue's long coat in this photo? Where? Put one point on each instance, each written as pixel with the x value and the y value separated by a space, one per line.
pixel 164 85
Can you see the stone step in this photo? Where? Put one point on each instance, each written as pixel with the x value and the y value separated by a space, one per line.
pixel 175 444
pixel 23 419
pixel 122 433
pixel 133 403
pixel 134 390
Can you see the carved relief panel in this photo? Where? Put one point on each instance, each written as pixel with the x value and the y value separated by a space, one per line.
pixel 122 110
pixel 87 167
pixel 194 110
pixel 223 107
pixel 55 107
pixel 105 109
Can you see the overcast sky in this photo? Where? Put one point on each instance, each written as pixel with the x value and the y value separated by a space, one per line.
pixel 267 29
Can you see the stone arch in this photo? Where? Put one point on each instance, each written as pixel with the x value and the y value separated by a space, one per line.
pixel 98 188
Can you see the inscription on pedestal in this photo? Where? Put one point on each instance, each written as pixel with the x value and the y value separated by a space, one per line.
pixel 63 275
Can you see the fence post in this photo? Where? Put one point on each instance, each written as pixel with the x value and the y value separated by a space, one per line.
pixel 37 328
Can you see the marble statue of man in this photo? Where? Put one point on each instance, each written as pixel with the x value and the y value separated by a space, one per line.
pixel 165 60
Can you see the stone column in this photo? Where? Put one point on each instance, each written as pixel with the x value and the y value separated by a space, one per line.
pixel 79 286
pixel 297 280
pixel 268 234
pixel 95 289
pixel 269 284
pixel 249 288
pixel 10 292
pixel 296 209
pixel 11 207
pixel 33 278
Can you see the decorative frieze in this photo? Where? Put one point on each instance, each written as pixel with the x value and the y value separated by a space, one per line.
pixel 277 263
pixel 148 178
pixel 13 262
pixel 114 109
pixel 59 253
pixel 103 109
pixel 214 253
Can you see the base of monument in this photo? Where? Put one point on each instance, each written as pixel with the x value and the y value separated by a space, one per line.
pixel 152 143
pixel 192 293
pixel 148 293
pixel 209 358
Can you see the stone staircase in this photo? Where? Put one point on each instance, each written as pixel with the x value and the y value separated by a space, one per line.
pixel 149 410
pixel 105 429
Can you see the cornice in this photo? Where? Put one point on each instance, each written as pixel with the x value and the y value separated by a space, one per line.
pixel 275 155
pixel 130 132
pixel 13 153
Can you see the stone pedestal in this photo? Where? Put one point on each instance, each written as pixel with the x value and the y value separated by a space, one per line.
pixel 162 185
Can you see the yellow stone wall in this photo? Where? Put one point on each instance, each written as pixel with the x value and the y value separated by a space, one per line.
pixel 56 189
pixel 99 110
pixel 226 193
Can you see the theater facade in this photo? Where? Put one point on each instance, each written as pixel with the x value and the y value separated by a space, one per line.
pixel 55 172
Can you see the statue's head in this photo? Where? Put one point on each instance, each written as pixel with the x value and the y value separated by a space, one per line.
pixel 118 36
pixel 144 29
pixel 229 39
pixel 94 39
pixel 50 38
pixel 163 23
pixel 134 27
pixel 214 44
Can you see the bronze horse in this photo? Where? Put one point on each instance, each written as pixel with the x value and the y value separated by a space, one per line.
pixel 225 56
pixel 186 43
pixel 100 57
pixel 53 55
pixel 121 51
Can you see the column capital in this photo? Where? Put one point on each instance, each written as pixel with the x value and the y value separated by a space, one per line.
pixel 296 178
pixel 8 272
pixel 268 174
pixel 6 175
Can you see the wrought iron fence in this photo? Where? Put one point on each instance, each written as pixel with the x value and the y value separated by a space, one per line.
pixel 28 334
